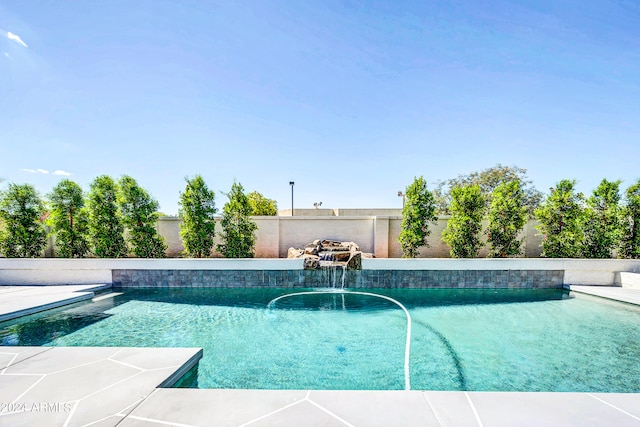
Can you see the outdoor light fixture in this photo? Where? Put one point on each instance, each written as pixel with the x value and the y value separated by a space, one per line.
pixel 401 194
pixel 317 205
pixel 291 183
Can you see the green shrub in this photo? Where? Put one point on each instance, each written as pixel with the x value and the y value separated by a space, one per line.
pixel 238 230
pixel 559 221
pixel 261 206
pixel 464 228
pixel 69 220
pixel 23 212
pixel 197 210
pixel 105 222
pixel 140 217
pixel 418 212
pixel 507 217
pixel 630 244
pixel 602 221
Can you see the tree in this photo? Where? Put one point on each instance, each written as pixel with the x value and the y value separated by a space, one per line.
pixel 105 220
pixel 487 180
pixel 559 221
pixel 630 245
pixel 260 205
pixel 140 217
pixel 22 211
pixel 197 210
pixel 238 230
pixel 69 219
pixel 418 212
pixel 507 217
pixel 602 222
pixel 464 228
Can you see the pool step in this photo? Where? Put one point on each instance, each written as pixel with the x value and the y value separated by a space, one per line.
pixel 630 280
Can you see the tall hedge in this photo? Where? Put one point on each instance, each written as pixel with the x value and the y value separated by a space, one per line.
pixel 417 214
pixel 602 221
pixel 630 244
pixel 22 211
pixel 197 210
pixel 560 221
pixel 238 229
pixel 507 216
pixel 105 221
pixel 69 220
pixel 140 217
pixel 464 228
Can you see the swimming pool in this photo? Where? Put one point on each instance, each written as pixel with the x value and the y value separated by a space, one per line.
pixel 498 340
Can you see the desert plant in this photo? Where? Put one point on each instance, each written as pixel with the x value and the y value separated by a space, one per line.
pixel 69 219
pixel 507 217
pixel 417 214
pixel 23 212
pixel 602 221
pixel 140 217
pixel 197 210
pixel 559 221
pixel 464 228
pixel 105 221
pixel 238 230
pixel 630 242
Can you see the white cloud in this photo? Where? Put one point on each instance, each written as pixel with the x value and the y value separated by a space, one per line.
pixel 16 38
pixel 58 172
pixel 6 54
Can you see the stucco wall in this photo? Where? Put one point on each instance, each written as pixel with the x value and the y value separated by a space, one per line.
pixel 375 234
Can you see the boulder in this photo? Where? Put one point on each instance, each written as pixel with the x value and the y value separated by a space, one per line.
pixel 311 262
pixel 355 262
pixel 329 252
pixel 294 253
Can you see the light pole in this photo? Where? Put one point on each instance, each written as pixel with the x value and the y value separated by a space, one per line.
pixel 291 183
pixel 401 194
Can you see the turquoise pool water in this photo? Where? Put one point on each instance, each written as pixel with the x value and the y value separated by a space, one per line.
pixel 498 340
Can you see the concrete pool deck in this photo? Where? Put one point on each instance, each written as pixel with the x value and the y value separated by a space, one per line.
pixel 108 386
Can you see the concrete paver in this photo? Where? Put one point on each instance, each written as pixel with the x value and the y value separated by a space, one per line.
pixel 17 301
pixel 547 409
pixel 616 293
pixel 76 386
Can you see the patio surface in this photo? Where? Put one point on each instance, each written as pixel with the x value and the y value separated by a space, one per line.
pixel 108 386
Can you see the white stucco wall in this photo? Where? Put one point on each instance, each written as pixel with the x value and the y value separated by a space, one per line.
pixel 298 231
pixel 57 271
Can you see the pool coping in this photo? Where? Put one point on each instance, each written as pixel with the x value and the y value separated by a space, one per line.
pixel 27 385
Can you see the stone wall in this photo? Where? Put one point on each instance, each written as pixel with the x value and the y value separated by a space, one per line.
pixel 390 279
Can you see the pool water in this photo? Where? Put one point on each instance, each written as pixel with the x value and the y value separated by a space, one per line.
pixel 481 340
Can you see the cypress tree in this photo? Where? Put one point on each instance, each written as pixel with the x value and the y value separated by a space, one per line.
pixel 69 219
pixel 238 230
pixel 197 210
pixel 418 212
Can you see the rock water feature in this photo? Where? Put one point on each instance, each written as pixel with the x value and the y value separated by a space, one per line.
pixel 330 256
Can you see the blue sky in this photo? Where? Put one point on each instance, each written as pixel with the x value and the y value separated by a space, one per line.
pixel 350 99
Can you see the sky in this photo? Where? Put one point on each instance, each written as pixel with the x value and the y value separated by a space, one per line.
pixel 349 99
